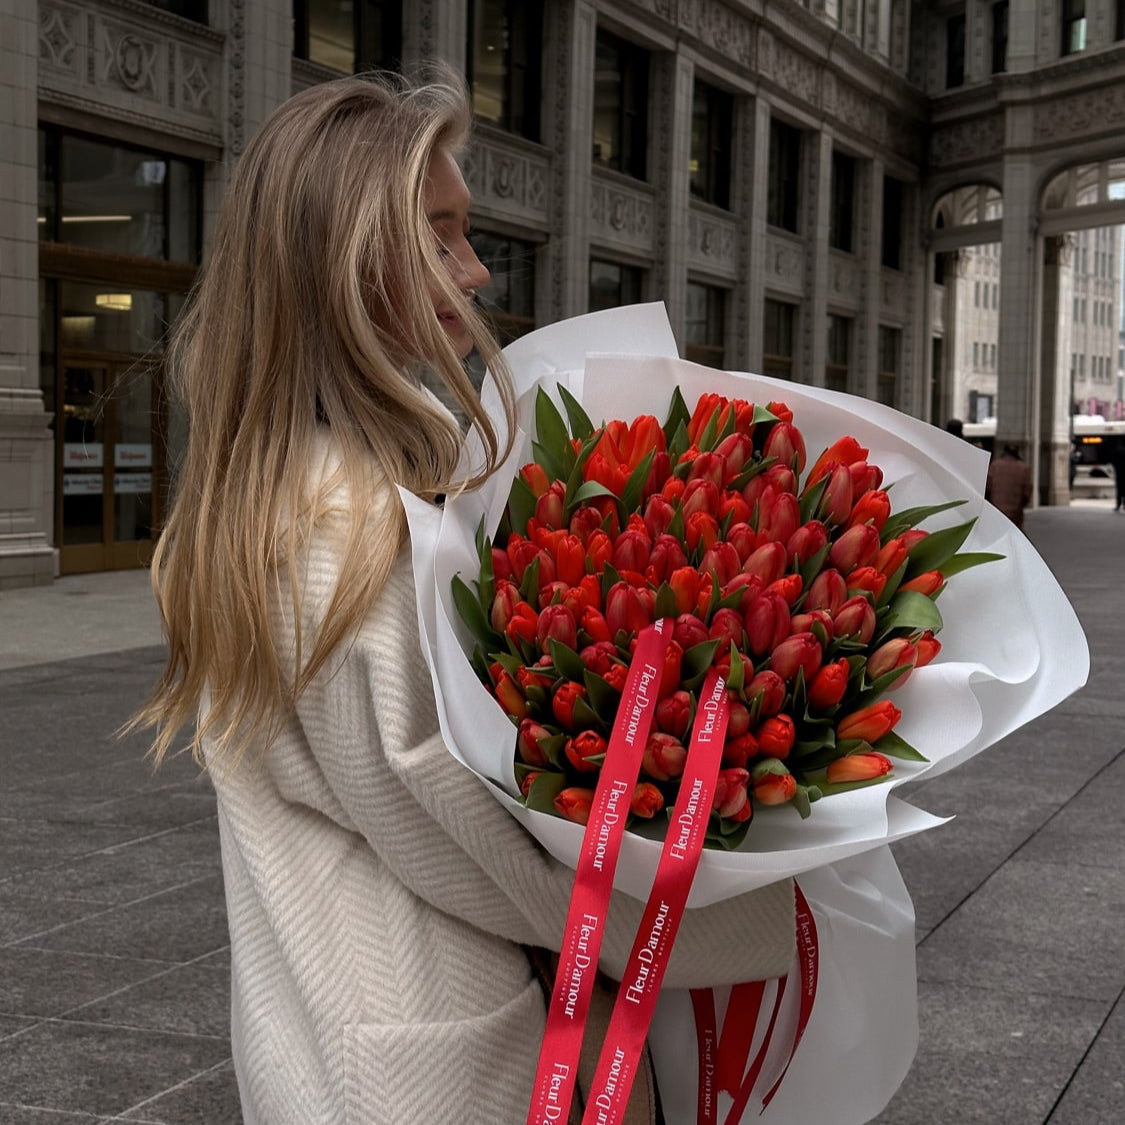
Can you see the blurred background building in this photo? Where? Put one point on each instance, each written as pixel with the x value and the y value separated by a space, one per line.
pixel 912 200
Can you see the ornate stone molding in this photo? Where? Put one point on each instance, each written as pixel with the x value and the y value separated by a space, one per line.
pixel 712 244
pixel 1070 117
pixel 621 216
pixel 893 295
pixel 785 264
pixel 509 179
pixel 797 74
pixel 717 26
pixel 961 142
pixel 115 61
pixel 845 285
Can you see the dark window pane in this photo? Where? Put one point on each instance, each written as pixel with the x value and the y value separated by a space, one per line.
pixel 509 297
pixel 955 51
pixel 331 34
pixel 784 176
pixel 613 285
pixel 711 126
pixel 890 351
pixel 1000 37
pixel 842 208
pixel 620 105
pixel 504 74
pixel 838 353
pixel 777 339
pixel 189 9
pixel 892 222
pixel 1073 26
pixel 705 327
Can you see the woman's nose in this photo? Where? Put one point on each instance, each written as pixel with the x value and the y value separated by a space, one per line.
pixel 474 273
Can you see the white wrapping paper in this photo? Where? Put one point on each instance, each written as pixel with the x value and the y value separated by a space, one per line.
pixel 1012 646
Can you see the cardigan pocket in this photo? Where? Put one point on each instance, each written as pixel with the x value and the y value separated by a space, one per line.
pixel 476 1069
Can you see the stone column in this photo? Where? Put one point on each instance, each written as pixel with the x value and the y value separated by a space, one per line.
pixel 818 191
pixel 435 29
pixel 672 174
pixel 752 187
pixel 26 463
pixel 869 248
pixel 1056 393
pixel 569 133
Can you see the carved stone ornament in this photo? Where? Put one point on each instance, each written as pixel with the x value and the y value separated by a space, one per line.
pixel 1070 117
pixel 717 26
pixel 785 264
pixel 977 139
pixel 713 245
pixel 57 36
pixel 621 217
pixel 195 83
pixel 131 61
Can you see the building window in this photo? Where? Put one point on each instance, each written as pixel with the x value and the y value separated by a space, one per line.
pixel 893 196
pixel 777 338
pixel 838 352
pixel 189 9
pixel 509 297
pixel 712 122
pixel 620 105
pixel 348 35
pixel 504 64
pixel 118 200
pixel 1073 26
pixel 784 176
pixel 842 211
pixel 976 355
pixel 1000 37
pixel 613 285
pixel 1119 20
pixel 955 51
pixel 705 330
pixel 890 353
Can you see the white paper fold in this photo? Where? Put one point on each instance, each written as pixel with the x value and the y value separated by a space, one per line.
pixel 1012 646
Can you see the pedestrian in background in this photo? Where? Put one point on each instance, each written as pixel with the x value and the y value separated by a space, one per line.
pixel 1008 485
pixel 1117 459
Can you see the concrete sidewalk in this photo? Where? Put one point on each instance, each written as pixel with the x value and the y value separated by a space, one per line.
pixel 113 944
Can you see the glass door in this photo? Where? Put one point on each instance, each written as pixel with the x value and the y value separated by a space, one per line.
pixel 109 457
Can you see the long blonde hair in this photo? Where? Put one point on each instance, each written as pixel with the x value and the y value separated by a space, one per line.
pixel 314 309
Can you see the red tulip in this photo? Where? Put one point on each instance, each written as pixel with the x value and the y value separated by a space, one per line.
pixel 625 610
pixel 855 618
pixel 616 677
pixel 673 714
pixel 896 653
pixel 806 541
pixel 707 466
pixel 741 749
pixel 844 451
pixel 891 556
pixel 501 564
pixel 631 551
pixel 593 624
pixel 689 631
pixel 599 657
pixel 769 689
pixel 866 578
pixel 667 556
pixel 647 800
pixel 566 696
pixel 858 546
pixel 733 508
pixel 869 723
pixel 799 651
pixel 664 757
pixel 771 788
pixel 701 527
pixel 701 495
pixel 927 583
pixel 731 799
pixel 787 445
pixel 748 586
pixel 865 477
pixel 767 622
pixel 804 622
pixel 557 623
pixel 736 451
pixel 859 767
pixel 778 515
pixel 872 507
pixel 828 591
pixel 549 509
pixel 926 647
pixel 776 736
pixel 768 562
pixel 509 694
pixel 504 604
pixel 523 625
pixel 582 748
pixel 788 586
pixel 528 781
pixel 743 538
pixel 531 678
pixel 670 673
pixel 836 500
pixel 535 476
pixel 658 516
pixel 827 687
pixel 722 562
pixel 575 804
pixel 527 742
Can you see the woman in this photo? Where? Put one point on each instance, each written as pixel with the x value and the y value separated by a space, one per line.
pixel 380 900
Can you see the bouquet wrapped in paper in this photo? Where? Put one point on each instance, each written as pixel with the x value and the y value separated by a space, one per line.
pixel 789 547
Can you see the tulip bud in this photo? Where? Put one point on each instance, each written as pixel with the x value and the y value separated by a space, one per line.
pixel 733 508
pixel 736 451
pixel 726 628
pixel 599 657
pixel 896 653
pixel 528 781
pixel 528 678
pixel 836 500
pixel 799 651
pixel 625 610
pixel 535 476
pixel 707 466
pixel 664 757
pixel 806 541
pixel 741 749
pixel 869 723
pixel 768 688
pixel 722 562
pixel 738 716
pixel 804 622
pixel 891 556
pixel 527 742
pixel 549 508
pixel 767 622
pixel 855 618
pixel 843 451
pixel 772 788
pixel 667 556
pixel 647 800
pixel 731 800
pixel 872 507
pixel 673 715
pixel 701 527
pixel 616 677
pixel 504 604
pixel 670 673
pixel 787 445
pixel 501 564
pixel 828 591
pixel 631 551
pixel 749 586
pixel 776 736
pixel 778 515
pixel 582 748
pixel 865 478
pixel 701 495
pixel 789 587
pixel 557 623
pixel 768 562
pixel 866 578
pixel 827 687
pixel 859 767
pixel 566 696
pixel 743 538
pixel 523 625
pixel 658 516
pixel 857 547
pixel 575 804
pixel 928 583
pixel 689 631
pixel 509 695
pixel 926 647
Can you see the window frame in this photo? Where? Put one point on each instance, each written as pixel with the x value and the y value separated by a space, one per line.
pixel 714 161
pixel 783 196
pixel 522 81
pixel 630 131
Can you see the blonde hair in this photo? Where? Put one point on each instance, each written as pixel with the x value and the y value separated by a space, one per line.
pixel 315 308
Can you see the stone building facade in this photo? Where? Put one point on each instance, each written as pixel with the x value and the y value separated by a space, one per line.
pixel 797 181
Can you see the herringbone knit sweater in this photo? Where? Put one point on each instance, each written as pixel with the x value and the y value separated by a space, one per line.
pixel 378 896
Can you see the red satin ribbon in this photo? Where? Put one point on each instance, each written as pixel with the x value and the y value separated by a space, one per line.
pixel 648 959
pixel 593 881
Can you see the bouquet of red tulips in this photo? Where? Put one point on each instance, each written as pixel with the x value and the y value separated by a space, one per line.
pixel 806 590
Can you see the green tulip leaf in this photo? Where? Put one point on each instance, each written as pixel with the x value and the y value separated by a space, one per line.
pixel 967 560
pixel 544 789
pixel 580 425
pixel 911 517
pixel 912 611
pixel 695 662
pixel 634 487
pixel 586 718
pixel 604 697
pixel 521 503
pixel 473 615
pixel 591 490
pixel 552 433
pixel 894 746
pixel 666 602
pixel 566 660
pixel 937 548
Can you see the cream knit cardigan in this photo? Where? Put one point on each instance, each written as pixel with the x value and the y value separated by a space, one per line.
pixel 378 895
